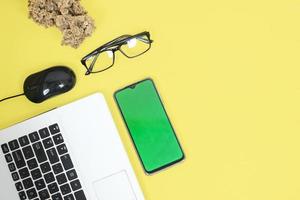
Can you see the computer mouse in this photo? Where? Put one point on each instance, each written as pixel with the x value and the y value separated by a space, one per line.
pixel 48 83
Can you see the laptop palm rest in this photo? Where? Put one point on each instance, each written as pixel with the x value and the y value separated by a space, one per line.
pixel 106 187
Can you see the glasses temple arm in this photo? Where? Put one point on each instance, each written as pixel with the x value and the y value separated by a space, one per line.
pixel 90 69
pixel 116 40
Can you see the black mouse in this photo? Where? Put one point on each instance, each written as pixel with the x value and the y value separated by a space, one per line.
pixel 48 83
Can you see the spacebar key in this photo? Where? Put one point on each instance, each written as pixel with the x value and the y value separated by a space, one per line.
pixel 39 152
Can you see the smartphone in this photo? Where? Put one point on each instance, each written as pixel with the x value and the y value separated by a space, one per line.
pixel 149 126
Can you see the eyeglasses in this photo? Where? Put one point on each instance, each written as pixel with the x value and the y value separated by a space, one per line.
pixel 103 58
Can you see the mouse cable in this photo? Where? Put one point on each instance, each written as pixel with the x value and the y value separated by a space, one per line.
pixel 11 97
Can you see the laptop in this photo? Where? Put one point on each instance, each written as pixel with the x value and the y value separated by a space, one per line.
pixel 70 153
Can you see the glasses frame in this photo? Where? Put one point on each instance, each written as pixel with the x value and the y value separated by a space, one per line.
pixel 114 45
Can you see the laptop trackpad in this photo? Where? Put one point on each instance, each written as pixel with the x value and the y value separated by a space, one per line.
pixel 114 187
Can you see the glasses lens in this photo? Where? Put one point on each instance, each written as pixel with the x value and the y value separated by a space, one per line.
pixel 100 61
pixel 136 46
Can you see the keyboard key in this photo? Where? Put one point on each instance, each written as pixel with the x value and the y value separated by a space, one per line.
pixel 44 133
pixel 11 167
pixel 22 195
pixel 19 186
pixel 40 184
pixel 75 185
pixel 69 197
pixel 19 159
pixel 52 155
pixel 62 149
pixel 15 176
pixel 32 163
pixel 24 173
pixel 53 188
pixel 13 145
pixel 36 174
pixel 80 195
pixel 48 143
pixel 28 153
pixel 24 141
pixel 57 168
pixel 34 137
pixel 71 174
pixel 58 139
pixel 54 129
pixel 4 148
pixel 57 197
pixel 44 194
pixel 45 167
pixel 27 183
pixel 49 177
pixel 39 152
pixel 67 162
pixel 8 158
pixel 61 179
pixel 65 189
pixel 31 193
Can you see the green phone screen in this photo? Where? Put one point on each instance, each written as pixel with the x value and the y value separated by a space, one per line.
pixel 149 126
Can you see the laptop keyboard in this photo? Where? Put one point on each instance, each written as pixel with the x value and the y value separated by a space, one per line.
pixel 41 166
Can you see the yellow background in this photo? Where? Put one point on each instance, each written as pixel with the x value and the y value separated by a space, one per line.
pixel 228 73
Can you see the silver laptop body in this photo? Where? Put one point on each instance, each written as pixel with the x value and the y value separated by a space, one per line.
pixel 72 153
